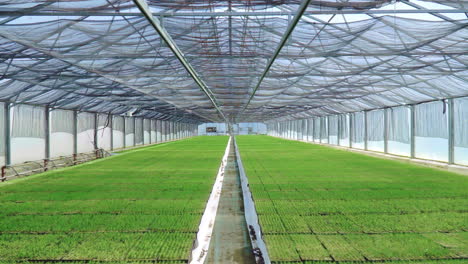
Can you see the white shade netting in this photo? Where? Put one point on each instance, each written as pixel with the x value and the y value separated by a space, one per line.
pixel 343 126
pixel 146 131
pixel 159 136
pixel 27 133
pixel 461 131
pixel 375 130
pixel 129 131
pixel 431 131
pixel 104 131
pixel 333 127
pixel 118 133
pixel 399 131
pixel 138 131
pixel 324 129
pixel 2 134
pixel 86 132
pixel 61 133
pixel 358 133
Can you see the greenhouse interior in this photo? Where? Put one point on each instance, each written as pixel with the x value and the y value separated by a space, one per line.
pixel 234 131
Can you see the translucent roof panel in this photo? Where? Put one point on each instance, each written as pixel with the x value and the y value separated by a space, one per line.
pixel 341 56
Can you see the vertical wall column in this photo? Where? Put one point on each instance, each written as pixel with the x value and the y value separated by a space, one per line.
pixel 134 130
pixel 75 132
pixel 96 126
pixel 451 132
pixel 385 135
pixel 124 131
pixel 47 132
pixel 365 131
pixel 351 133
pixel 413 131
pixel 111 126
pixel 7 131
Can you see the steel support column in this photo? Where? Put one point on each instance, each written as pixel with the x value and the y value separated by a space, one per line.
pixel 385 135
pixel 47 132
pixel 7 120
pixel 111 126
pixel 413 131
pixel 451 132
pixel 365 131
pixel 75 132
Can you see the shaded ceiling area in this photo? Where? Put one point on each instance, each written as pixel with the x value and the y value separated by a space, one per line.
pixel 257 60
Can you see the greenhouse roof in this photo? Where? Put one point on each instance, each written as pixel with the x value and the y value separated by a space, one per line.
pixel 236 60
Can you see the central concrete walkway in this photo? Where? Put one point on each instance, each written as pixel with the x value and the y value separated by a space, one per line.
pixel 230 242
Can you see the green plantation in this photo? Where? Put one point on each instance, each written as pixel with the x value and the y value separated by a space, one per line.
pixel 320 204
pixel 140 205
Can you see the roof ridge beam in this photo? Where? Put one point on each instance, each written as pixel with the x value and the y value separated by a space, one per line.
pixel 144 8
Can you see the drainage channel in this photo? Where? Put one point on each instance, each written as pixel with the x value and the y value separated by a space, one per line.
pixel 230 241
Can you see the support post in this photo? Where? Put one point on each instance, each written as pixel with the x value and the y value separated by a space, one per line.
pixel 111 126
pixel 338 127
pixel 124 132
pixel 134 131
pixel 451 131
pixel 75 133
pixel 7 133
pixel 351 133
pixel 413 131
pixel 96 126
pixel 365 131
pixel 385 135
pixel 47 133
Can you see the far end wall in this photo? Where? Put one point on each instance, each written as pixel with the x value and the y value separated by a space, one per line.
pixel 238 129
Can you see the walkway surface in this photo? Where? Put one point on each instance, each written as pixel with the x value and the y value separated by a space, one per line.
pixel 230 242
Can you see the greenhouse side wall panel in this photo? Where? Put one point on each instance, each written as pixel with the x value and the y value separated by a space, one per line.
pixel 375 130
pixel 399 131
pixel 431 131
pixel 358 125
pixel 138 131
pixel 27 133
pixel 146 131
pixel 85 137
pixel 104 132
pixel 159 136
pixel 461 131
pixel 153 131
pixel 344 130
pixel 333 133
pixel 129 132
pixel 118 132
pixel 2 134
pixel 61 133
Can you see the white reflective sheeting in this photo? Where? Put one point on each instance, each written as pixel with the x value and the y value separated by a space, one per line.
pixel 85 137
pixel 129 131
pixel 2 134
pixel 61 133
pixel 333 127
pixel 159 136
pixel 317 129
pixel 344 130
pixel 153 131
pixel 358 130
pixel 104 131
pixel 375 130
pixel 146 131
pixel 461 131
pixel 431 131
pixel 118 132
pixel 27 133
pixel 138 131
pixel 399 131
